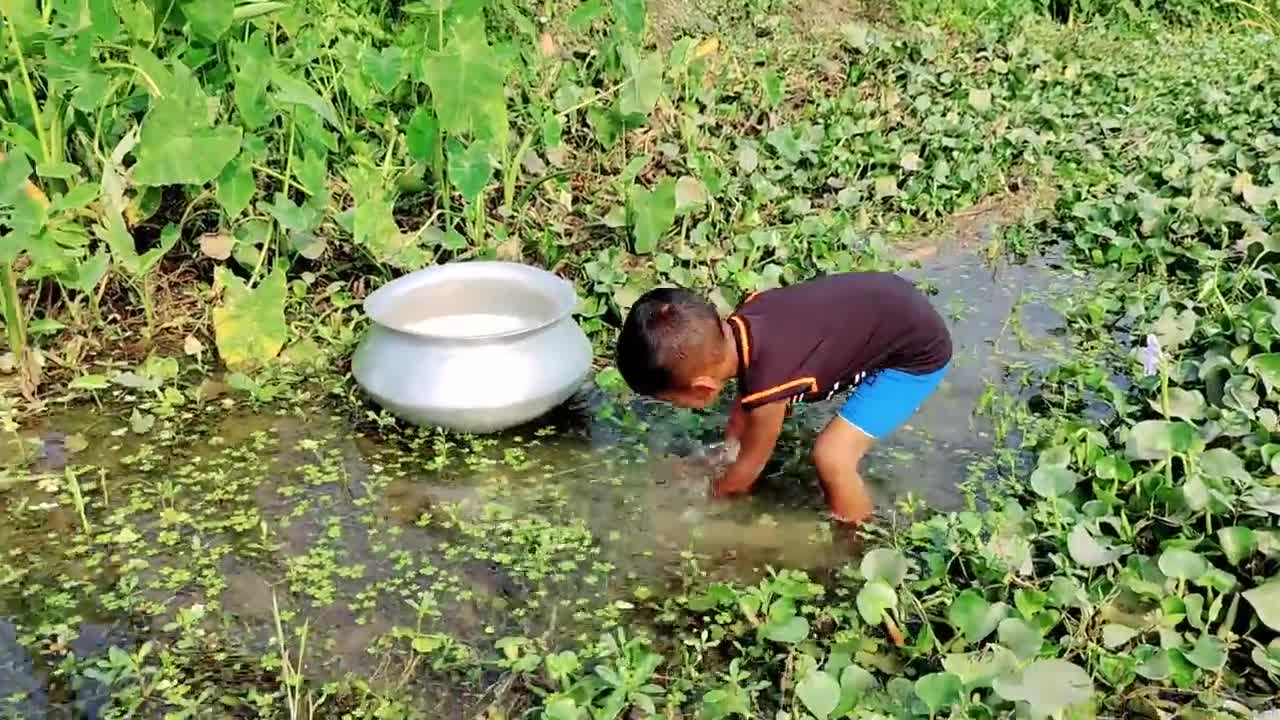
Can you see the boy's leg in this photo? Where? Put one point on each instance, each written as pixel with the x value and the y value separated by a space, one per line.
pixel 882 404
pixel 837 453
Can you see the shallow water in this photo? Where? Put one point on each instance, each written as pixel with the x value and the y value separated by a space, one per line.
pixel 528 534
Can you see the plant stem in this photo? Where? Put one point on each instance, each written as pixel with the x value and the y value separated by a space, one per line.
pixel 45 150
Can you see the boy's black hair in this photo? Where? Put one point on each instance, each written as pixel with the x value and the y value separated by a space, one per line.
pixel 666 332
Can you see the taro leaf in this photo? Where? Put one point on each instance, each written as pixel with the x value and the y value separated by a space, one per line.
pixel 1047 686
pixel 939 690
pixel 1051 482
pixel 1182 564
pixel 210 19
pixel 1088 552
pixel 384 67
pixel 1156 439
pixel 630 15
pixel 874 600
pixel 1265 600
pixel 254 63
pixel 1220 463
pixel 1184 404
pixel 788 630
pixel 820 694
pixel 886 565
pixel 973 615
pixel 420 136
pixel 292 91
pixel 1209 653
pixel 467 84
pixel 1266 367
pixel 1114 635
pixel 1020 636
pixel 643 87
pixel 1237 542
pixel 980 99
pixel 249 325
pixel 652 214
pixel 185 157
pixel 690 193
pixel 236 186
pixel 470 168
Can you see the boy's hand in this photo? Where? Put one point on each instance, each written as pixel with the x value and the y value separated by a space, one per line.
pixel 759 433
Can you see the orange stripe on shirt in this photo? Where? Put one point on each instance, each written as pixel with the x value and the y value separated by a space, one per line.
pixel 742 336
pixel 799 382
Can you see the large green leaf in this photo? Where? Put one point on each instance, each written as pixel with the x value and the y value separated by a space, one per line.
pixel 643 87
pixel 467 81
pixel 236 186
pixel 249 325
pixel 630 15
pixel 210 19
pixel 1237 543
pixel 886 565
pixel 939 691
pixel 1051 482
pixel 1047 686
pixel 820 693
pixel 292 91
pixel 193 157
pixel 874 599
pixel 1156 439
pixel 469 168
pixel 1266 367
pixel 1089 552
pixel 652 214
pixel 1265 600
pixel 974 616
pixel 1183 564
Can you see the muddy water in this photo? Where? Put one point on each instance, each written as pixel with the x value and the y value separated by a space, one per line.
pixel 369 539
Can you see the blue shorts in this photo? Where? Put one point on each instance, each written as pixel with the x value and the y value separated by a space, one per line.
pixel 887 399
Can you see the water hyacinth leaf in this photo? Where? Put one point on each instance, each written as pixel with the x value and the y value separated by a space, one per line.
pixel 1222 464
pixel 193 157
pixel 1175 328
pixel 1088 551
pixel 1051 482
pixel 1156 439
pixel 643 87
pixel 1265 600
pixel 788 630
pixel 1183 404
pixel 1237 542
pixel 470 168
pixel 1209 653
pixel 653 212
pixel 874 600
pixel 1267 368
pixel 249 325
pixel 1115 635
pixel 1268 658
pixel 1020 636
pixel 820 694
pixel 1182 564
pixel 210 19
pixel 630 16
pixel 886 565
pixel 974 616
pixel 1047 686
pixel 980 668
pixel 939 691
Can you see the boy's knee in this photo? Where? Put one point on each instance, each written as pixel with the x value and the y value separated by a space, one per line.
pixel 829 455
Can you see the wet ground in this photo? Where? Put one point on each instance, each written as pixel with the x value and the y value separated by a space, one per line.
pixel 377 542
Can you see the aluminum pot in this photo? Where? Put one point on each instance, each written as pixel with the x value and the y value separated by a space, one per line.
pixel 472 346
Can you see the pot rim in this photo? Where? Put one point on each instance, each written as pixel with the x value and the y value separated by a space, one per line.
pixel 561 291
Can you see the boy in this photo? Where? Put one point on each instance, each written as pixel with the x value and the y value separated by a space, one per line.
pixel 874 333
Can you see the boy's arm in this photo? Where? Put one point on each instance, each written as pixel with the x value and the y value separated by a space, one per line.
pixel 737 423
pixel 760 430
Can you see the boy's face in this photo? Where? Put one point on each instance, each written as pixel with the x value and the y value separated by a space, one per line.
pixel 698 394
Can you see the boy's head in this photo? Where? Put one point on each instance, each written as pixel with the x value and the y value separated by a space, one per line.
pixel 673 347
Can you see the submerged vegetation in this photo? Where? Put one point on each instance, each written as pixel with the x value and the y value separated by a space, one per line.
pixel 194 197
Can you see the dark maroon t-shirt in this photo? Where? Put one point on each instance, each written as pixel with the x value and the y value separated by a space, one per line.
pixel 806 342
